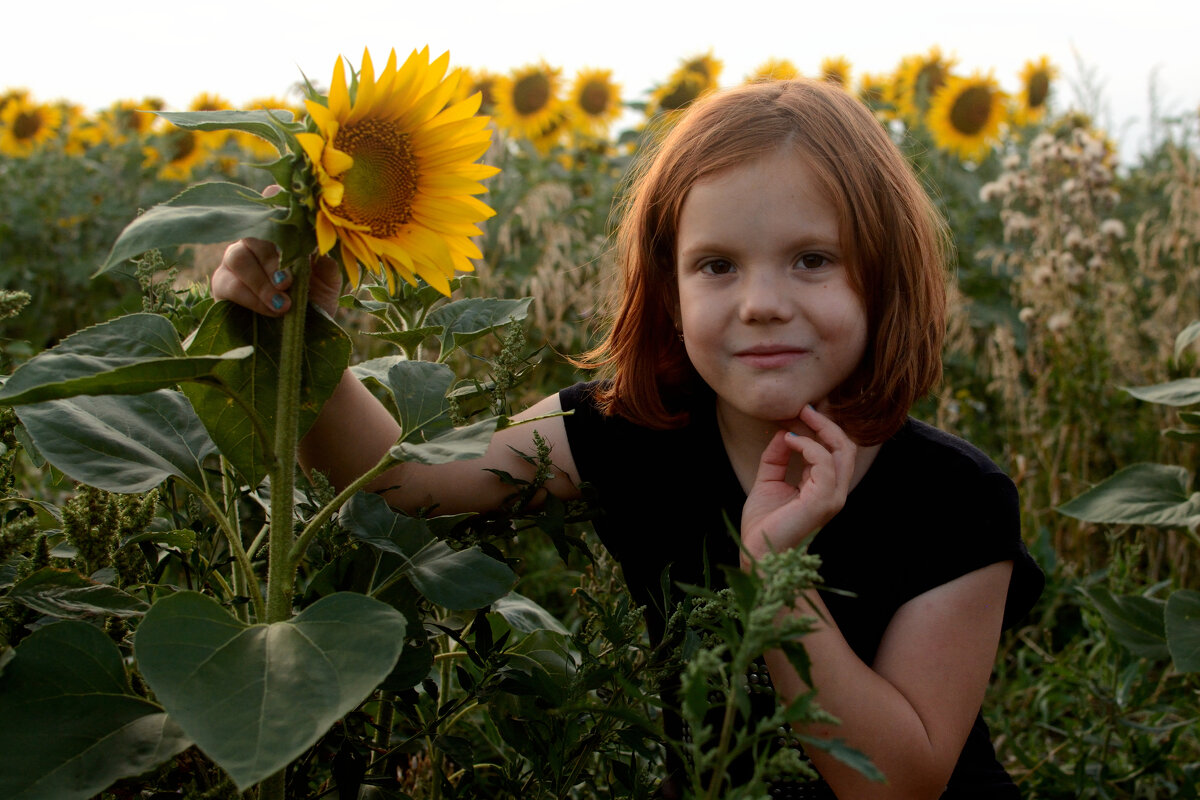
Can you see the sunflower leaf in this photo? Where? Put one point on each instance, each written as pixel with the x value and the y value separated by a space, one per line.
pixel 466 320
pixel 203 214
pixel 254 697
pixel 71 724
pixel 121 443
pixel 239 411
pixel 1140 494
pixel 134 354
pixel 66 594
pixel 259 122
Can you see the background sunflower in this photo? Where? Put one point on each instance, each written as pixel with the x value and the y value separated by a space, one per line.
pixel 966 114
pixel 918 79
pixel 24 125
pixel 528 100
pixel 836 69
pixel 1034 97
pixel 773 69
pixel 595 102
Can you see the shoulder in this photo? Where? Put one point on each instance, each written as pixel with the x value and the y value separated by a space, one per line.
pixel 938 449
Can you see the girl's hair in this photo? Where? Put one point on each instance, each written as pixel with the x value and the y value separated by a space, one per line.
pixel 894 240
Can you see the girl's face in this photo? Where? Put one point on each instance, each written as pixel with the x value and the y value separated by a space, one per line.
pixel 769 317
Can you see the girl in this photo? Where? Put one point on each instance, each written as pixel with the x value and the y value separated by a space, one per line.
pixel 781 308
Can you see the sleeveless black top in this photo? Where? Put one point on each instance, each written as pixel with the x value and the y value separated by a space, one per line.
pixel 931 508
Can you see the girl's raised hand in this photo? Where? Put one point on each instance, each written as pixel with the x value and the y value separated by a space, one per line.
pixel 249 275
pixel 779 515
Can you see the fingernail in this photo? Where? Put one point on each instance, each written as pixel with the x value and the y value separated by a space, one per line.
pixel 277 302
pixel 794 434
pixel 279 277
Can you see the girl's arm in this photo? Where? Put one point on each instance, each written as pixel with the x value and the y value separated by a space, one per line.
pixel 354 430
pixel 911 710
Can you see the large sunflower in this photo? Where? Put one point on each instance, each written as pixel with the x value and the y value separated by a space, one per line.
pixel 24 125
pixel 918 79
pixel 528 100
pixel 1035 90
pixel 595 102
pixel 396 171
pixel 966 113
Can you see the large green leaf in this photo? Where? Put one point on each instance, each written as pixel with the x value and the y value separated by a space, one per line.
pixel 133 354
pixel 68 595
pixel 207 213
pixel 1136 622
pixel 71 726
pixel 1185 338
pixel 246 438
pixel 1141 494
pixel 526 616
pixel 466 320
pixel 254 697
pixel 1183 392
pixel 419 389
pixel 454 579
pixel 1183 629
pixel 456 444
pixel 121 443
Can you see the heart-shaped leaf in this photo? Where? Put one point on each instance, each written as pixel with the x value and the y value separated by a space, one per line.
pixel 71 725
pixel 121 443
pixel 134 354
pixel 254 697
pixel 260 122
pixel 243 436
pixel 1136 622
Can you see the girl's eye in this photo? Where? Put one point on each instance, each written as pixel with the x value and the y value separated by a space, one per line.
pixel 717 266
pixel 811 261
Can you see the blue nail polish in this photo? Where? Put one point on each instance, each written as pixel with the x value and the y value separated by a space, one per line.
pixel 277 302
pixel 279 277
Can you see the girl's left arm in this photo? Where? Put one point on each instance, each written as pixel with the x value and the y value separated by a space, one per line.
pixel 911 709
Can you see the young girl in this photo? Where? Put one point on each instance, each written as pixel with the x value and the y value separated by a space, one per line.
pixel 781 308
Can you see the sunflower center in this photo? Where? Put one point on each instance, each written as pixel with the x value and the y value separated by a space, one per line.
pixel 679 96
pixel 594 98
pixel 383 181
pixel 26 125
pixel 1039 89
pixel 531 94
pixel 971 110
pixel 182 145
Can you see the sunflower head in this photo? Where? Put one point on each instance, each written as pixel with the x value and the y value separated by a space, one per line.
pixel 877 93
pixel 1036 77
pixel 26 125
pixel 595 102
pixel 966 114
pixel 919 78
pixel 706 66
pixel 773 69
pixel 481 82
pixel 528 101
pixel 675 95
pixel 836 70
pixel 395 171
pixel 178 152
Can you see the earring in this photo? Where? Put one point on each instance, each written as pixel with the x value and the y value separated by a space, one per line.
pixel 681 336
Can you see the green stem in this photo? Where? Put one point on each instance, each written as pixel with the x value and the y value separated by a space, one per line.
pixel 310 530
pixel 281 569
pixel 234 540
pixel 241 578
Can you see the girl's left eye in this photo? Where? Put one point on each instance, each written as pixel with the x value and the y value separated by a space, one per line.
pixel 811 261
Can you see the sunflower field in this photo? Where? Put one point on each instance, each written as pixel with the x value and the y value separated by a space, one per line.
pixel 184 614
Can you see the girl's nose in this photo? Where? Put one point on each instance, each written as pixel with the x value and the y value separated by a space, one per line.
pixel 764 297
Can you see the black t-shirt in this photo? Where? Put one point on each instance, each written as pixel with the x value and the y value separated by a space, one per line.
pixel 930 508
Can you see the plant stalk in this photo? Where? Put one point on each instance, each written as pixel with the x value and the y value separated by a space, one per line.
pixel 281 570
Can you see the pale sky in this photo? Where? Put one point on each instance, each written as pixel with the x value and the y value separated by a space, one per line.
pixel 94 53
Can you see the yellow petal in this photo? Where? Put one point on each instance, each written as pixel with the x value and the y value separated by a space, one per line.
pixel 326 234
pixel 335 161
pixel 312 145
pixel 339 97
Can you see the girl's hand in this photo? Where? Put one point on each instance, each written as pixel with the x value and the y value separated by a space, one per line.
pixel 777 515
pixel 249 275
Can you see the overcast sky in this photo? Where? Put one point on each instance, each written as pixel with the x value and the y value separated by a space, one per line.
pixel 93 53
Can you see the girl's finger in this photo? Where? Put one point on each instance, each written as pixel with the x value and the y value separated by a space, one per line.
pixel 249 275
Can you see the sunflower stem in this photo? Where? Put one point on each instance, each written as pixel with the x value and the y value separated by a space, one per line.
pixel 281 569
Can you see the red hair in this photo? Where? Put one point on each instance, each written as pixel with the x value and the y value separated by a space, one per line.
pixel 893 237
